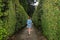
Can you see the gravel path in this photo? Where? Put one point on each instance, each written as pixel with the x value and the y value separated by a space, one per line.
pixel 23 35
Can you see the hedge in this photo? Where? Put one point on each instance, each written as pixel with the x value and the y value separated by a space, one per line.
pixel 49 12
pixel 50 19
pixel 7 19
pixel 28 8
pixel 24 4
pixel 37 15
pixel 21 15
pixel 10 17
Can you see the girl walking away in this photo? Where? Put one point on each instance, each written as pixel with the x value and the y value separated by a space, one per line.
pixel 29 25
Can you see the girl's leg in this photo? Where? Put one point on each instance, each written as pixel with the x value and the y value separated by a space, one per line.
pixel 29 30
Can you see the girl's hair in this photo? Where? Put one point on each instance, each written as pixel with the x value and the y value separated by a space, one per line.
pixel 28 17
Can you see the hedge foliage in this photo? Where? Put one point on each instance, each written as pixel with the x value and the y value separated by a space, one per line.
pixel 7 19
pixel 50 19
pixel 37 15
pixel 49 13
pixel 24 3
pixel 21 15
pixel 10 16
pixel 28 8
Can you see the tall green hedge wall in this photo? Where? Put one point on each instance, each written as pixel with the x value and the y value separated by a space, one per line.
pixel 49 18
pixel 12 16
pixel 7 19
pixel 21 15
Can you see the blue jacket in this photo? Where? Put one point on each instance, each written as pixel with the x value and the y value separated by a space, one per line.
pixel 29 23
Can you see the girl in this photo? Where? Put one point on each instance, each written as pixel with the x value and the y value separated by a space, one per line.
pixel 29 24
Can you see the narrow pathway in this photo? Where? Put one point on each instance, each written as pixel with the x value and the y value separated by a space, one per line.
pixel 35 35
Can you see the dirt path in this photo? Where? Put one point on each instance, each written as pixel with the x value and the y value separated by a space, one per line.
pixel 35 35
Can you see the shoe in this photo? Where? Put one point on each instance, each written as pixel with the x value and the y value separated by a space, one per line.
pixel 28 34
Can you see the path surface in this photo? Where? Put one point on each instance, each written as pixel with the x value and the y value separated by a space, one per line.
pixel 35 35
